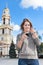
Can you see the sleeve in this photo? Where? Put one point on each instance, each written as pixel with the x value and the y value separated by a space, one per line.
pixel 18 39
pixel 37 41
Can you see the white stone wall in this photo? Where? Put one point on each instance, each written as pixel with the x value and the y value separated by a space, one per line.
pixel 1 38
pixel 7 31
pixel 5 50
pixel 0 31
pixel 7 21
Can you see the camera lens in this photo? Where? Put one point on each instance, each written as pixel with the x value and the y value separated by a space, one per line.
pixel 27 34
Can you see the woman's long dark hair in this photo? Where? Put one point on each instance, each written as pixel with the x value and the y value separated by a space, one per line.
pixel 24 20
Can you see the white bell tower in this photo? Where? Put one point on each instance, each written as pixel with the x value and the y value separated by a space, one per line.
pixel 5 32
pixel 6 16
pixel 6 29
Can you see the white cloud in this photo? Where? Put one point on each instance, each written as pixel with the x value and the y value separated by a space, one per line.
pixel 16 27
pixel 31 3
pixel 14 39
pixel 40 32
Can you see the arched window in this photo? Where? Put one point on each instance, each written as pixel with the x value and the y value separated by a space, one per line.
pixel 4 21
pixel 2 31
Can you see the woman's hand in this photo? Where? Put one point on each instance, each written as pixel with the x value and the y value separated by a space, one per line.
pixel 34 34
pixel 24 36
pixel 20 42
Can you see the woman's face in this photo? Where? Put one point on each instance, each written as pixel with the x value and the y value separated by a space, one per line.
pixel 26 27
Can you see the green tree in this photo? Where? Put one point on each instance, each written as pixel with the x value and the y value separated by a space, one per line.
pixel 41 47
pixel 12 52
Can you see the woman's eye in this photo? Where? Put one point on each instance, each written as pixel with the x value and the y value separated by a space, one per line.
pixel 27 25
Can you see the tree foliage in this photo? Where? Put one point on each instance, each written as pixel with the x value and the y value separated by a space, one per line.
pixel 12 52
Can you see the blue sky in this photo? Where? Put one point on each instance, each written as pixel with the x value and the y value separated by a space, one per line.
pixel 20 9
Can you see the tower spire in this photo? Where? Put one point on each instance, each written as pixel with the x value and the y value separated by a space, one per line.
pixel 6 5
pixel 6 16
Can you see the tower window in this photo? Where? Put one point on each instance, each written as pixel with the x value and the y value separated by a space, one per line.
pixel 2 31
pixel 4 21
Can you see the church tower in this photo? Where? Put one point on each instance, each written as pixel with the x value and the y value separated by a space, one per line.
pixel 5 32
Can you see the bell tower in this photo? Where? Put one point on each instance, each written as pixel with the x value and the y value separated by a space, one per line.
pixel 6 27
pixel 6 16
pixel 5 32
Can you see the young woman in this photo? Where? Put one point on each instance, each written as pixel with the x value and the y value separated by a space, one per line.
pixel 27 43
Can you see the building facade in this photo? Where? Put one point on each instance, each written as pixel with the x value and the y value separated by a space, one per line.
pixel 5 33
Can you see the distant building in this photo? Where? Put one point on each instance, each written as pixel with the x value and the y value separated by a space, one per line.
pixel 5 33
